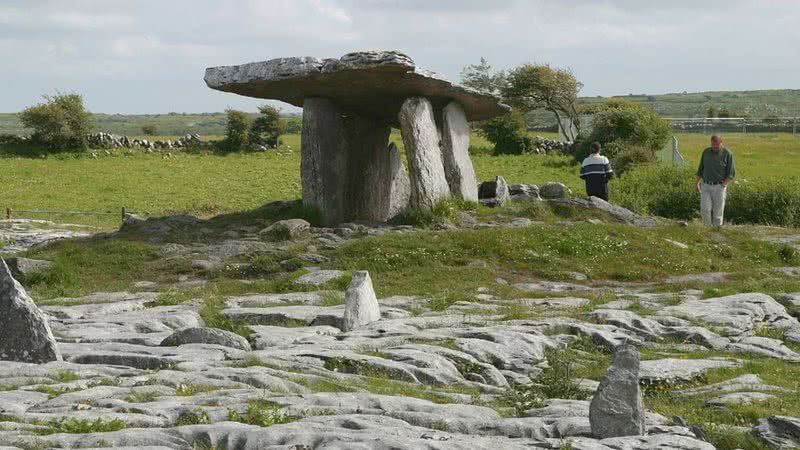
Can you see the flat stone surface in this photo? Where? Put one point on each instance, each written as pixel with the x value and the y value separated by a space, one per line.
pixel 676 371
pixel 373 84
pixel 739 398
pixel 320 277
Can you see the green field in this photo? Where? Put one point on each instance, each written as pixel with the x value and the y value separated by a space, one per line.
pixel 206 184
pixel 758 155
pixel 759 104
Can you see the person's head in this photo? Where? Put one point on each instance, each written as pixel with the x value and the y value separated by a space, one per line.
pixel 595 147
pixel 716 142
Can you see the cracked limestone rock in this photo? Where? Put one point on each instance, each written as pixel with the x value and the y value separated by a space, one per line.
pixel 361 305
pixel 617 408
pixel 25 334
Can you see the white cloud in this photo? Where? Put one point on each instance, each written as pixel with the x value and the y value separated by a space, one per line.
pixel 151 54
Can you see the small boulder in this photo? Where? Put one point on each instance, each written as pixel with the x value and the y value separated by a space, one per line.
pixel 287 230
pixel 553 189
pixel 361 304
pixel 204 335
pixel 319 277
pixel 524 192
pixel 617 408
pixel 25 334
pixel 21 267
pixel 494 193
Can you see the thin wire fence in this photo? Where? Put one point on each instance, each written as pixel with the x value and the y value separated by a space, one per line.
pixel 710 125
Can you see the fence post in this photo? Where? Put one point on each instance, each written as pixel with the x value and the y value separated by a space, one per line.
pixel 8 213
pixel 744 126
pixel 123 214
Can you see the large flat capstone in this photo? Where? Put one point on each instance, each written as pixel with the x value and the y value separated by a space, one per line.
pixel 370 83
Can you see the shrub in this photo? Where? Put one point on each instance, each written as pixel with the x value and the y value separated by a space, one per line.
pixel 60 123
pixel 508 134
pixel 237 132
pixel 267 127
pixel 555 381
pixel 629 133
pixel 668 191
pixel 632 156
pixel 150 129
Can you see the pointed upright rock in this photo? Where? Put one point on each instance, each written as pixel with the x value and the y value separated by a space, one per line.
pixel 617 408
pixel 25 335
pixel 361 304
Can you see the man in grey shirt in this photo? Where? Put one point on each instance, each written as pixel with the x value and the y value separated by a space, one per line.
pixel 716 171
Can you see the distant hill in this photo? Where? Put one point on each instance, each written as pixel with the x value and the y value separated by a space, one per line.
pixel 756 104
pixel 170 124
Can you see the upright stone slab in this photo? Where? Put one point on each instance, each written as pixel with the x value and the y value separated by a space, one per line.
pixel 399 184
pixel 361 304
pixel 25 335
pixel 348 170
pixel 455 153
pixel 617 408
pixel 323 160
pixel 378 186
pixel 421 140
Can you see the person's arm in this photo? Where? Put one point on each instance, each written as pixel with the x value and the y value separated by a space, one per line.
pixel 730 171
pixel 608 170
pixel 699 174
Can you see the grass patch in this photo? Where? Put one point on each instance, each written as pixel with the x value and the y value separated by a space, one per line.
pixel 80 426
pixel 65 376
pixel 142 396
pixel 193 417
pixel 581 359
pixel 262 413
pixel 55 392
pixel 211 313
pixel 432 263
pixel 188 390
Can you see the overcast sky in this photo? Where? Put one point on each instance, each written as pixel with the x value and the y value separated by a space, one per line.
pixel 149 56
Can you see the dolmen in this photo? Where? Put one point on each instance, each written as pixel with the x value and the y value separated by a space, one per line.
pixel 349 170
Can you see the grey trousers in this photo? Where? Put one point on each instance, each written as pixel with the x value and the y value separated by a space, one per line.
pixel 712 203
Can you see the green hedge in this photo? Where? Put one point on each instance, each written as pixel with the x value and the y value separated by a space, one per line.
pixel 668 191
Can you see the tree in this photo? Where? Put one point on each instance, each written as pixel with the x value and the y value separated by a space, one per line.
pixel 483 78
pixel 539 86
pixel 150 129
pixel 237 134
pixel 60 122
pixel 267 127
pixel 711 112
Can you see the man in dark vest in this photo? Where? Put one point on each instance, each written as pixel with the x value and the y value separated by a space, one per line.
pixel 596 171
pixel 716 171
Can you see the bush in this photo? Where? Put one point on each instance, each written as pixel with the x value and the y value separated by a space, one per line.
pixel 508 134
pixel 668 191
pixel 237 132
pixel 267 127
pixel 60 123
pixel 150 129
pixel 629 133
pixel 630 157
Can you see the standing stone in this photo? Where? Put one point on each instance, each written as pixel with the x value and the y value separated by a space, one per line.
pixel 421 140
pixel 348 170
pixel 398 183
pixel 323 161
pixel 25 335
pixel 455 153
pixel 361 304
pixel 617 408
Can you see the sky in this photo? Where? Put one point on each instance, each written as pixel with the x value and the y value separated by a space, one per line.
pixel 149 56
